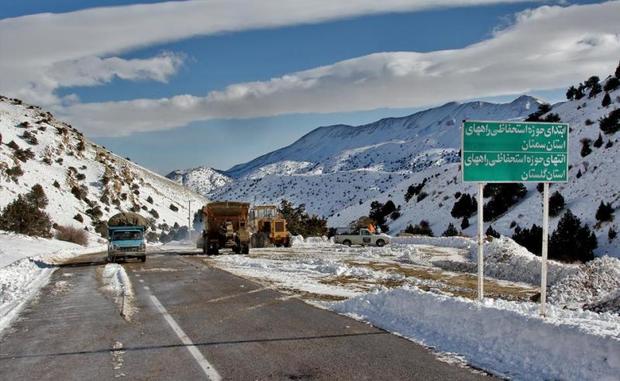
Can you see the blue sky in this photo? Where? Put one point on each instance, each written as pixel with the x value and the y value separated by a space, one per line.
pixel 212 62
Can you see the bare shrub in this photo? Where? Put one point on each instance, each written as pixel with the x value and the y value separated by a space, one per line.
pixel 72 234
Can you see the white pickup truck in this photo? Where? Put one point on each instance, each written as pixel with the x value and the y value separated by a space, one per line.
pixel 364 238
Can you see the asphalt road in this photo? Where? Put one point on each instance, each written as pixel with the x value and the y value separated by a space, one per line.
pixel 192 322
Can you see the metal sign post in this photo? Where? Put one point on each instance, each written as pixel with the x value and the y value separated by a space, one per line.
pixel 480 243
pixel 189 220
pixel 545 241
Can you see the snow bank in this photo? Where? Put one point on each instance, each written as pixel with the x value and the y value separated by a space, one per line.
pixel 596 281
pixel 15 247
pixel 506 338
pixel 454 242
pixel 300 241
pixel 26 264
pixel 19 282
pixel 117 283
pixel 505 259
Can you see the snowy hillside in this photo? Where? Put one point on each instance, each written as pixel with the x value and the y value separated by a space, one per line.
pixel 203 180
pixel 84 182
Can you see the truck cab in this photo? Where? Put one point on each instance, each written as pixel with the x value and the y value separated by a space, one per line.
pixel 126 242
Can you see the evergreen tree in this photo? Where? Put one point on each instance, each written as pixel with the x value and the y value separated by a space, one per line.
pixel 599 141
pixel 611 123
pixel 423 228
pixel 592 81
pixel 606 100
pixel 298 221
pixel 37 196
pixel 465 223
pixel 450 231
pixel 466 206
pixel 24 214
pixel 580 92
pixel 604 212
pixel 379 212
pixel 612 84
pixel 570 93
pixel 571 241
pixel 585 147
pixel 617 73
pixel 503 196
pixel 556 204
pixel 611 233
pixel 531 238
pixel 595 90
pixel 492 232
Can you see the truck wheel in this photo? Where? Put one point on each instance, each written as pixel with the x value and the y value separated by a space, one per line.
pixel 245 249
pixel 205 249
pixel 380 243
pixel 346 242
pixel 143 258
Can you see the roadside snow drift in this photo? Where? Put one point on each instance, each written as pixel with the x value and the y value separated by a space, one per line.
pixel 117 283
pixel 26 264
pixel 506 338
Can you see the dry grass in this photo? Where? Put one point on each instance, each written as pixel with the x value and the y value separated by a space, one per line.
pixel 464 285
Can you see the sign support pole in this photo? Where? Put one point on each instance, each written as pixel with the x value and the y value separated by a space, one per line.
pixel 545 242
pixel 480 243
pixel 189 220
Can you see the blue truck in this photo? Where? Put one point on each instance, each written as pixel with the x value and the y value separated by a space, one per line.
pixel 126 237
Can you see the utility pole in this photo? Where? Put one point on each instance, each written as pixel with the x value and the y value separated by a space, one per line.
pixel 189 220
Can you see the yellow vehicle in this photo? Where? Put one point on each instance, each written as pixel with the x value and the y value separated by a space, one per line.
pixel 268 227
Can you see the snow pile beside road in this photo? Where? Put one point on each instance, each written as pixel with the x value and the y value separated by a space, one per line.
pixel 15 247
pixel 454 242
pixel 505 259
pixel 300 241
pixel 596 281
pixel 506 338
pixel 117 283
pixel 19 282
pixel 26 264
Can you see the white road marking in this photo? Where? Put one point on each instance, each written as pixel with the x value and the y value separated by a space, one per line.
pixel 147 288
pixel 141 280
pixel 236 295
pixel 206 367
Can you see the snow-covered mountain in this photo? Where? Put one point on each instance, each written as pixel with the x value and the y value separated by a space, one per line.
pixel 83 181
pixel 203 180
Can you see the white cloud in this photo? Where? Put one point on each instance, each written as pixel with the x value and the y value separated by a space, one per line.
pixel 69 45
pixel 546 48
pixel 90 71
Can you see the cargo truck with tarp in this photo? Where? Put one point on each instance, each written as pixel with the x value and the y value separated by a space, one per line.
pixel 226 227
pixel 126 237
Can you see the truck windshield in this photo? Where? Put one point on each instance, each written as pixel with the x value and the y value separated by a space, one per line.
pixel 126 235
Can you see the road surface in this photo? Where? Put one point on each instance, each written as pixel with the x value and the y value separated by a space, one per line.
pixel 191 322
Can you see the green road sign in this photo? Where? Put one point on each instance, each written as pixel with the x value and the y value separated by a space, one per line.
pixel 514 152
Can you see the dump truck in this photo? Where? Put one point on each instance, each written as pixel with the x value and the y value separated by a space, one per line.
pixel 268 227
pixel 126 237
pixel 226 226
